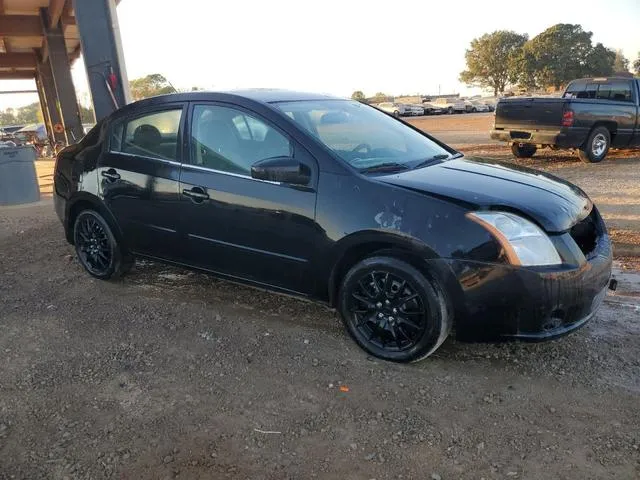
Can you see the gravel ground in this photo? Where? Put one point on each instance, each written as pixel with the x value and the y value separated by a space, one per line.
pixel 171 374
pixel 459 130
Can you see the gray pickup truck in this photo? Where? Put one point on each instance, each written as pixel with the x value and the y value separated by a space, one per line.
pixel 593 115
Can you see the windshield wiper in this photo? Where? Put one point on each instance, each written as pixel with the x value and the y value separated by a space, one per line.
pixel 385 167
pixel 435 158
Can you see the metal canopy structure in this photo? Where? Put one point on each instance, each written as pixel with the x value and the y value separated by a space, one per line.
pixel 39 40
pixel 22 36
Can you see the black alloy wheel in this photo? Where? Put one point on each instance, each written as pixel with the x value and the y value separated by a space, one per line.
pixel 97 248
pixel 392 310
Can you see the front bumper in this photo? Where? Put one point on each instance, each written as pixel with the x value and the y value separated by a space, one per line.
pixel 572 137
pixel 502 301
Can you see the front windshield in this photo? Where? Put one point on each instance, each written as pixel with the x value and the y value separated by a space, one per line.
pixel 361 135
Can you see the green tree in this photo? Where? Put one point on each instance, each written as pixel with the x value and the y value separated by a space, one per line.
pixel 28 114
pixel 7 118
pixel 380 97
pixel 562 53
pixel 149 86
pixel 86 114
pixel 358 95
pixel 492 60
pixel 620 63
pixel 636 65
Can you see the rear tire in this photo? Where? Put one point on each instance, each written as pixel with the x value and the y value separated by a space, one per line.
pixel 523 150
pixel 450 110
pixel 392 310
pixel 596 147
pixel 97 248
pixel 396 114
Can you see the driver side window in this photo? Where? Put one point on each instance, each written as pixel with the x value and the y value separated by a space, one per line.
pixel 230 140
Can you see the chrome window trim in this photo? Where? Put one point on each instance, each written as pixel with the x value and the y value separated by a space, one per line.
pixel 170 162
pixel 231 174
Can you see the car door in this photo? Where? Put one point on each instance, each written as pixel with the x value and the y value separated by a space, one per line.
pixel 237 225
pixel 139 178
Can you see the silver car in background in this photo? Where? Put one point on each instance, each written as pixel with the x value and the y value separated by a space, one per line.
pixel 395 109
pixel 451 105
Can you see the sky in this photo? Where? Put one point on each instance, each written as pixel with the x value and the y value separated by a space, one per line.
pixel 333 46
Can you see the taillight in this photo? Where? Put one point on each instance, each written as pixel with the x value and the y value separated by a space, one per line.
pixel 567 118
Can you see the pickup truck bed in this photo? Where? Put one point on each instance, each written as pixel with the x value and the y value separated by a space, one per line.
pixel 570 121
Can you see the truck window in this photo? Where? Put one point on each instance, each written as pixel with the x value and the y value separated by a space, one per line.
pixel 591 90
pixel 621 91
pixel 574 89
pixel 604 90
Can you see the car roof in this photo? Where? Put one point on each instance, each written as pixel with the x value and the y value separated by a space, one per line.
pixel 601 79
pixel 261 95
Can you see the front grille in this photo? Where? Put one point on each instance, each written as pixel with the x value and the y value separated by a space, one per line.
pixel 585 233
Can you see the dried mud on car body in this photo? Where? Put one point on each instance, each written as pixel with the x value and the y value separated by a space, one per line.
pixel 169 373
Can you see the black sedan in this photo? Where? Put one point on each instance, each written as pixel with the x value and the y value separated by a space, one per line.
pixel 339 202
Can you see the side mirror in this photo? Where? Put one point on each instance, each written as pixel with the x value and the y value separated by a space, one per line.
pixel 281 169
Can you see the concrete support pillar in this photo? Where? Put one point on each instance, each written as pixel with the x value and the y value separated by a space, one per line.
pixel 52 116
pixel 102 52
pixel 61 70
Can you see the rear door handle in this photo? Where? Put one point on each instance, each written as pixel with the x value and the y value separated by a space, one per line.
pixel 196 194
pixel 111 174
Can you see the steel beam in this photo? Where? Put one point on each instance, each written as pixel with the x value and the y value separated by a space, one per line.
pixel 61 71
pixel 18 60
pixel 55 12
pixel 51 104
pixel 97 22
pixel 19 75
pixel 20 26
pixel 45 110
pixel 13 92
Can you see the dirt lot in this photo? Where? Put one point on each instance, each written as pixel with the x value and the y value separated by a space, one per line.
pixel 171 374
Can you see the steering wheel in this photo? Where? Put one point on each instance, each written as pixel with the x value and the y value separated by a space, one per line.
pixel 361 147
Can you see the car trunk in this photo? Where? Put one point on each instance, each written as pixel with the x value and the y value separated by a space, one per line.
pixel 529 114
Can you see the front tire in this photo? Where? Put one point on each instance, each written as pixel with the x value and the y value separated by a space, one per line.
pixel 396 114
pixel 597 146
pixel 392 310
pixel 450 110
pixel 523 150
pixel 97 248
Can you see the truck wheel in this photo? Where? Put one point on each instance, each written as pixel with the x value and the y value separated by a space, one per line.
pixel 450 110
pixel 596 147
pixel 523 150
pixel 396 114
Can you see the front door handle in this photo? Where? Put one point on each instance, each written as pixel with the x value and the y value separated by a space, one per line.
pixel 111 174
pixel 196 194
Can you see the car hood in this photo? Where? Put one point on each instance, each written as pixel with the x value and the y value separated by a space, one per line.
pixel 553 203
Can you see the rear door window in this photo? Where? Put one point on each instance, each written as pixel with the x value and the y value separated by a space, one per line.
pixel 621 91
pixel 604 90
pixel 154 135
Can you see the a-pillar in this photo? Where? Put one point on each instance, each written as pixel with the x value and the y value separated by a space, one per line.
pixel 97 22
pixel 49 101
pixel 61 71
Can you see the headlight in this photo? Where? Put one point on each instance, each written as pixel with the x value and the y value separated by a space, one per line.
pixel 523 242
